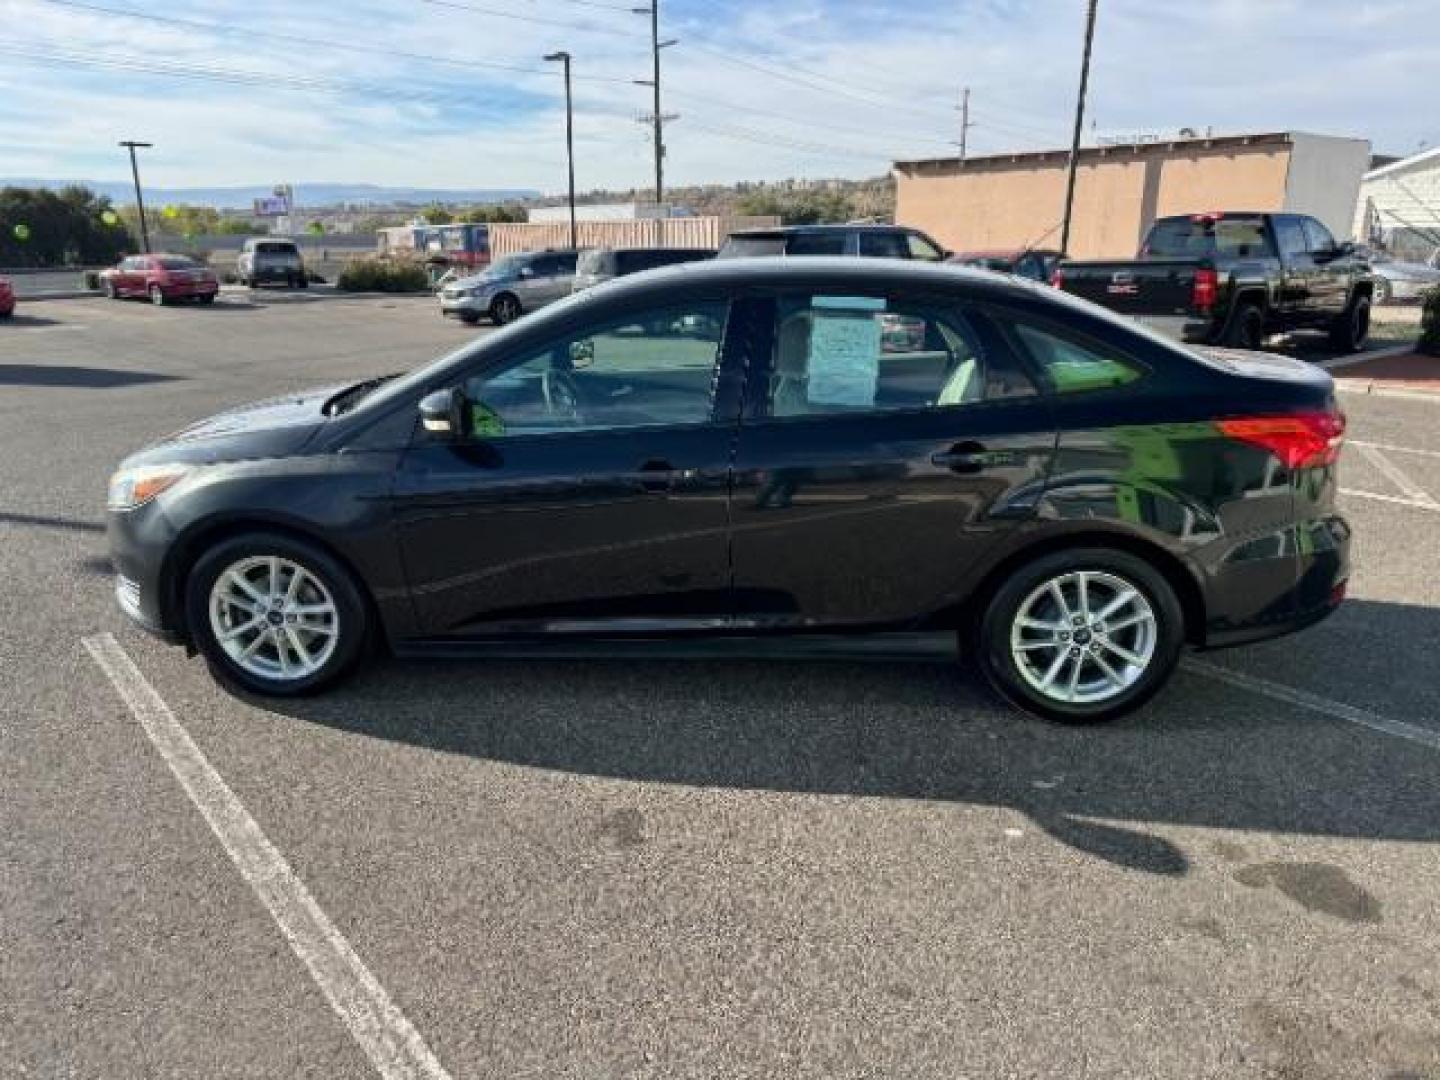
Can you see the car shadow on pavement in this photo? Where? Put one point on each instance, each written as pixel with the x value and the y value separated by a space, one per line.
pixel 1204 755
pixel 26 321
pixel 86 378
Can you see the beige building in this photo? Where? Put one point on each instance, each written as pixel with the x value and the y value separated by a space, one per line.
pixel 1011 201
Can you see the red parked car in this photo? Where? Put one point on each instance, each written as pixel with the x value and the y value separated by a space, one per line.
pixel 162 278
pixel 7 298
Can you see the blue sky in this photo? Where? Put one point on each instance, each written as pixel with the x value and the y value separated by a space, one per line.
pixel 452 93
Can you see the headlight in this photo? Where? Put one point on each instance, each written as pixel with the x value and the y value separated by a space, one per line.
pixel 132 488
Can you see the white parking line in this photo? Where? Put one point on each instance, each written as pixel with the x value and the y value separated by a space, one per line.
pixel 1337 710
pixel 1398 500
pixel 1393 448
pixel 1397 476
pixel 388 1039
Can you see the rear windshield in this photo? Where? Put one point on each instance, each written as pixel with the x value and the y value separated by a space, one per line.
pixel 273 248
pixel 744 247
pixel 177 262
pixel 1187 237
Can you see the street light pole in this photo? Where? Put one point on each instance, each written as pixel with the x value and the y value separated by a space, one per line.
pixel 1079 126
pixel 132 146
pixel 564 58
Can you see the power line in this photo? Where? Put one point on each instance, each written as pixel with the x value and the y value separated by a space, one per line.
pixel 539 20
pixel 310 43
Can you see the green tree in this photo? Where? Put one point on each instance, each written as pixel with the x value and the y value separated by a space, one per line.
pixel 493 214
pixel 798 207
pixel 40 227
pixel 437 215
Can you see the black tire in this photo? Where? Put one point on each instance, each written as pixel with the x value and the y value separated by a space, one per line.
pixel 989 640
pixel 157 296
pixel 1247 327
pixel 303 282
pixel 1351 330
pixel 353 620
pixel 505 308
pixel 206 298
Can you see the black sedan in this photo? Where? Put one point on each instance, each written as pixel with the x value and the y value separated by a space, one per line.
pixel 751 447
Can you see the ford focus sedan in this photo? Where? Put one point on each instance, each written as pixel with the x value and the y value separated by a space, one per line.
pixel 749 447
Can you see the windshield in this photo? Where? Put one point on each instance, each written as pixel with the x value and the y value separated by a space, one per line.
pixel 1191 237
pixel 177 262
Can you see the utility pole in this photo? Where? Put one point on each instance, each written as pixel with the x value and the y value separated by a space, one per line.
pixel 965 124
pixel 658 117
pixel 1079 126
pixel 564 58
pixel 132 146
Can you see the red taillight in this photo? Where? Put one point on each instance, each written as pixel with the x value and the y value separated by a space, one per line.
pixel 1206 289
pixel 1057 278
pixel 1300 441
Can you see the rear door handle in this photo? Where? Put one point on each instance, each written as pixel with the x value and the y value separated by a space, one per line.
pixel 963 458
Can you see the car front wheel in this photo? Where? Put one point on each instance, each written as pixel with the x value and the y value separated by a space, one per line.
pixel 275 616
pixel 1081 636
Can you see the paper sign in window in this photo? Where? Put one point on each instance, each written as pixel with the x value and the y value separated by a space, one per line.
pixel 844 358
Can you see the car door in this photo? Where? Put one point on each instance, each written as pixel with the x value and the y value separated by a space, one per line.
pixel 1330 285
pixel 590 487
pixel 887 445
pixel 1297 269
pixel 126 276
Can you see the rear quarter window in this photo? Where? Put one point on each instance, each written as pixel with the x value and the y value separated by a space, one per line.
pixel 1072 367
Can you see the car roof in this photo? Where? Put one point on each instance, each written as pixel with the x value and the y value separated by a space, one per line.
pixel 791 230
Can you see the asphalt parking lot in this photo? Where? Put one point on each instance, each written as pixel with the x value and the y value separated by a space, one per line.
pixel 683 865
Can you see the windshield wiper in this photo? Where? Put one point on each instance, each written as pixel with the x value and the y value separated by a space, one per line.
pixel 348 398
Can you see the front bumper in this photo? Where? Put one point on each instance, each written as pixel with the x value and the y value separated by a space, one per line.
pixel 140 541
pixel 466 305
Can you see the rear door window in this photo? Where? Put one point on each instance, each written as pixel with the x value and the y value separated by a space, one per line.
pixel 818 243
pixel 838 354
pixel 884 245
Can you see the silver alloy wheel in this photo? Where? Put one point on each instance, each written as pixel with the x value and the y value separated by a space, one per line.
pixel 1084 637
pixel 274 618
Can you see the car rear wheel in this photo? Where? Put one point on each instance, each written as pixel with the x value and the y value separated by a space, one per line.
pixel 1081 636
pixel 504 309
pixel 1352 329
pixel 157 296
pixel 275 616
pixel 1247 328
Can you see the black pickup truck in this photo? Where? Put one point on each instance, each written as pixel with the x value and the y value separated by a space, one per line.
pixel 1233 279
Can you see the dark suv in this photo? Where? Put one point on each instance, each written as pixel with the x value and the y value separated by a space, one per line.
pixel 874 241
pixel 761 447
pixel 599 265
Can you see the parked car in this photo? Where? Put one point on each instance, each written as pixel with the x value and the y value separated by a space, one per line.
pixel 1397 280
pixel 1078 497
pixel 876 241
pixel 1235 278
pixel 162 279
pixel 1037 265
pixel 7 298
pixel 511 287
pixel 599 265
pixel 271 260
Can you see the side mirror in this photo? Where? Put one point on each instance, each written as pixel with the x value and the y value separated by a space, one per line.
pixel 443 413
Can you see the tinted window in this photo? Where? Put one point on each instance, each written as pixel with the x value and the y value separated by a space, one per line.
pixel 1317 235
pixel 884 245
pixel 1236 237
pixel 176 262
pixel 744 247
pixel 272 248
pixel 1071 367
pixel 1291 236
pixel 564 263
pixel 860 354
pixel 595 262
pixel 922 249
pixel 644 370
pixel 818 243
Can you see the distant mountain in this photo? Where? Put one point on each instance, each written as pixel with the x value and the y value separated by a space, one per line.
pixel 306 195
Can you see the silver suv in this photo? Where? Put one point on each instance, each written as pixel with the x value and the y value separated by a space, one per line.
pixel 268 259
pixel 510 287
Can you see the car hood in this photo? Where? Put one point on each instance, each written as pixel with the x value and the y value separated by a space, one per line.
pixel 275 427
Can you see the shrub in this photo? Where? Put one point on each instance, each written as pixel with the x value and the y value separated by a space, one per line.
pixel 1430 324
pixel 383 275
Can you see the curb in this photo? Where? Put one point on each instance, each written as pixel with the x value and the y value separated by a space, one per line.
pixel 1337 362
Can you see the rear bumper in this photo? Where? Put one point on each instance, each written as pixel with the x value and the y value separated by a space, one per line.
pixel 191 288
pixel 1181 328
pixel 1278 585
pixel 276 273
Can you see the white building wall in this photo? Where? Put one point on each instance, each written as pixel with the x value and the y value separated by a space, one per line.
pixel 1324 179
pixel 1405 195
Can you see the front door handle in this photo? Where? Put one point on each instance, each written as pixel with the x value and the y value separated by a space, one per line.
pixel 969 457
